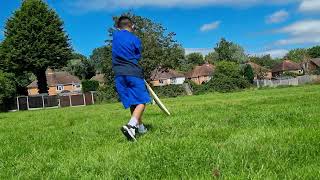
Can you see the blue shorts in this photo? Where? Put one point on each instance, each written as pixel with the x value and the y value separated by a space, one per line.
pixel 132 91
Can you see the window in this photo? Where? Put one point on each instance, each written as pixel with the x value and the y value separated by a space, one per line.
pixel 60 88
pixel 77 86
pixel 173 80
pixel 161 81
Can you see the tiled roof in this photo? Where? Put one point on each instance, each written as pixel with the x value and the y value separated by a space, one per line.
pixel 203 70
pixel 164 73
pixel 57 78
pixel 286 66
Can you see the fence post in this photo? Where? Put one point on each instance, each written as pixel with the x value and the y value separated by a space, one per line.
pixel 18 106
pixel 70 100
pixel 92 98
pixel 84 99
pixel 42 102
pixel 28 102
pixel 59 103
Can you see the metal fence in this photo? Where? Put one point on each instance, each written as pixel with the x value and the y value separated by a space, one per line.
pixel 57 101
pixel 300 80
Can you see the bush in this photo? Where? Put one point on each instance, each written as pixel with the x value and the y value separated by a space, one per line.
pixel 89 85
pixel 107 94
pixel 248 73
pixel 170 91
pixel 227 78
pixel 7 89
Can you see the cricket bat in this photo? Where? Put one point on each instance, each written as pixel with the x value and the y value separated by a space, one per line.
pixel 157 100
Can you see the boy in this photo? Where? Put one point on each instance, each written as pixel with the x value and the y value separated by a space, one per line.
pixel 129 81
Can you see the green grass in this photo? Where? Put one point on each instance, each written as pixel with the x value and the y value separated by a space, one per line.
pixel 256 134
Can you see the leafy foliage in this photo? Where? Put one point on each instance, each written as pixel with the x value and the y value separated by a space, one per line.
pixel 227 77
pixel 89 85
pixel 81 66
pixel 212 57
pixel 170 91
pixel 265 61
pixel 248 73
pixel 35 40
pixel 7 88
pixel 228 51
pixel 314 52
pixel 192 60
pixel 298 55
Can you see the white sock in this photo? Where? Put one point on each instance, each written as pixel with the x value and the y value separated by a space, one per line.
pixel 141 127
pixel 133 122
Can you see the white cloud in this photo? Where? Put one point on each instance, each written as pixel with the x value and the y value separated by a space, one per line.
pixel 203 51
pixel 301 32
pixel 310 6
pixel 210 26
pixel 277 17
pixel 275 53
pixel 96 5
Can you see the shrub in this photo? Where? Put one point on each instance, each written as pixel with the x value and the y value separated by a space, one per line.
pixel 7 89
pixel 248 73
pixel 227 78
pixel 170 91
pixel 107 94
pixel 89 85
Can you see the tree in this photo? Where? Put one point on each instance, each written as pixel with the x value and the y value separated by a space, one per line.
pixel 81 66
pixel 248 73
pixel 228 51
pixel 298 55
pixel 314 52
pixel 159 46
pixel 7 88
pixel 103 55
pixel 265 61
pixel 191 60
pixel 35 40
pixel 212 57
pixel 227 77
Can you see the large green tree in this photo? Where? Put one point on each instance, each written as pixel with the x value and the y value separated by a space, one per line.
pixel 314 52
pixel 265 61
pixel 159 46
pixel 229 51
pixel 191 60
pixel 212 57
pixel 298 55
pixel 81 66
pixel 35 40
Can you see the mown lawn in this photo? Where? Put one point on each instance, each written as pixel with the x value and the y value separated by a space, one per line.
pixel 256 134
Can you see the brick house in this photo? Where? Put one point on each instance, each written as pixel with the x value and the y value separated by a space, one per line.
pixel 201 74
pixel 260 72
pixel 58 82
pixel 166 76
pixel 286 66
pixel 311 65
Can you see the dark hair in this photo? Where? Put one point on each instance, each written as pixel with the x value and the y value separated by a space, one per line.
pixel 124 22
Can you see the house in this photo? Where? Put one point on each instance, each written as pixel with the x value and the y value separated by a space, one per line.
pixel 260 72
pixel 58 82
pixel 99 78
pixel 286 66
pixel 311 65
pixel 165 76
pixel 201 74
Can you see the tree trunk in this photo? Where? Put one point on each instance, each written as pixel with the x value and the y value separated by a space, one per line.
pixel 42 81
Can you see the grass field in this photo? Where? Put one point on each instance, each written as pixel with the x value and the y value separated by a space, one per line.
pixel 271 133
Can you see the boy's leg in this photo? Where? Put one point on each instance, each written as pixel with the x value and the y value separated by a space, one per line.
pixel 136 114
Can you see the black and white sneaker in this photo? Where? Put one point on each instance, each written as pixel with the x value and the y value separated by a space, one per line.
pixel 129 132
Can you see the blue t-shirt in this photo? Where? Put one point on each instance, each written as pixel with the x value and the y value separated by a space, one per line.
pixel 126 53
